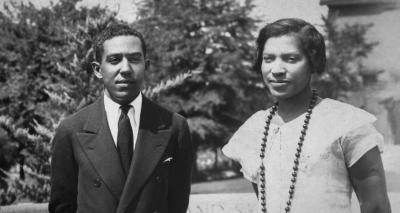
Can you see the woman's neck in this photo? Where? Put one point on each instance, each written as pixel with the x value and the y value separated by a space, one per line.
pixel 291 108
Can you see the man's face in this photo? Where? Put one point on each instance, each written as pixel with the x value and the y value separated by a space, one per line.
pixel 122 68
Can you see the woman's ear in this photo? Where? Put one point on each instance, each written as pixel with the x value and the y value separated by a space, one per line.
pixel 146 64
pixel 96 69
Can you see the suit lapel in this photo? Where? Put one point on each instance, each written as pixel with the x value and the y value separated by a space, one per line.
pixel 97 142
pixel 152 142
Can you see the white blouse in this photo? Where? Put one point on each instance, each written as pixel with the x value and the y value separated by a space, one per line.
pixel 338 135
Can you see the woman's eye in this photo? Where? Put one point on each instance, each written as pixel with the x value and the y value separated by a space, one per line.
pixel 292 59
pixel 268 59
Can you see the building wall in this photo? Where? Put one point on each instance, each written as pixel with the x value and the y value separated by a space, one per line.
pixel 383 99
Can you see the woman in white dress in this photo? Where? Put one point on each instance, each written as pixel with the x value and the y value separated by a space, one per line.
pixel 306 154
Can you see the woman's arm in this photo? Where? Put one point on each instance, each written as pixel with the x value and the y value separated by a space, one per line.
pixel 368 179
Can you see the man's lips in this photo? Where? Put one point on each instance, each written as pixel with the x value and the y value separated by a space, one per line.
pixel 278 81
pixel 125 82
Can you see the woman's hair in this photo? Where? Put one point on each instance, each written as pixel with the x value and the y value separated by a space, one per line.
pixel 311 42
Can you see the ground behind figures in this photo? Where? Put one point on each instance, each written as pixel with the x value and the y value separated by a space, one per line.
pixel 236 195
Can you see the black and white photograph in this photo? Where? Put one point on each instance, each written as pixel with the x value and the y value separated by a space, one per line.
pixel 199 106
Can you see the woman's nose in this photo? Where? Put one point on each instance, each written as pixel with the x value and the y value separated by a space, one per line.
pixel 278 68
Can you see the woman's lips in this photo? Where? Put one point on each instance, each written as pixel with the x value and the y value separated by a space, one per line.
pixel 279 82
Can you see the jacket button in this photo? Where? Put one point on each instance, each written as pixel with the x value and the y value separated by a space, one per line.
pixel 97 183
pixel 158 179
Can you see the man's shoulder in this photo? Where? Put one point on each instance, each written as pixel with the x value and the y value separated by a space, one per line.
pixel 162 111
pixel 81 115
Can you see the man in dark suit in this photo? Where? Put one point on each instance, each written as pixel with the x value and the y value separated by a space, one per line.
pixel 123 153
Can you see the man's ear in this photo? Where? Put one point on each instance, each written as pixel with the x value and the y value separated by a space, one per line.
pixel 96 69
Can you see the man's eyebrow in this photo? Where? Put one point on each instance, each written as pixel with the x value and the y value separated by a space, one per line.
pixel 114 55
pixel 134 54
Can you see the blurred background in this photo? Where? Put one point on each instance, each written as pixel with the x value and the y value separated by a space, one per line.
pixel 201 55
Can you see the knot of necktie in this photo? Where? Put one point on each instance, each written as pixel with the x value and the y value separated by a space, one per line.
pixel 125 108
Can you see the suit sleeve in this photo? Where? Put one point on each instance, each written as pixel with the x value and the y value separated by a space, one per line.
pixel 179 183
pixel 64 173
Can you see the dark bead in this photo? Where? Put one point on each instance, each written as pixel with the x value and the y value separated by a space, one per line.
pixel 292 187
pixel 262 149
pixel 289 203
pixel 293 180
pixel 262 191
pixel 263 197
pixel 269 117
pixel 294 174
pixel 264 139
pixel 262 173
pixel 262 167
pixel 263 209
pixel 308 116
pixel 296 161
pixel 295 168
pixel 262 179
pixel 298 149
pixel 306 121
pixel 301 137
pixel 287 209
pixel 303 132
pixel 262 155
pixel 297 155
pixel 291 191
pixel 305 126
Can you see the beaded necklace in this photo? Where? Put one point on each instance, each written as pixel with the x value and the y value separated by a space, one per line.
pixel 297 155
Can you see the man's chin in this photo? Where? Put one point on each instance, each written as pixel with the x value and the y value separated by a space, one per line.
pixel 123 97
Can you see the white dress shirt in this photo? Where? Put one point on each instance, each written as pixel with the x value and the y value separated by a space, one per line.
pixel 113 111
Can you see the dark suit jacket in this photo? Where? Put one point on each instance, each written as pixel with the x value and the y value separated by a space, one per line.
pixel 87 175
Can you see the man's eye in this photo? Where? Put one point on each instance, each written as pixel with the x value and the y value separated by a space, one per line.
pixel 114 60
pixel 134 59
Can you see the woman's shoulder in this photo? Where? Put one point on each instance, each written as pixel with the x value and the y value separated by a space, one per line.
pixel 344 111
pixel 339 118
pixel 243 146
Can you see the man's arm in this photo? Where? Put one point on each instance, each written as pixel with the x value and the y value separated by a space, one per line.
pixel 63 174
pixel 368 179
pixel 179 183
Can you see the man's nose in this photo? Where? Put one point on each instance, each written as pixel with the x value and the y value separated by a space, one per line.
pixel 125 65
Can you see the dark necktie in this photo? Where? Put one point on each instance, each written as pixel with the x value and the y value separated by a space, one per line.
pixel 125 139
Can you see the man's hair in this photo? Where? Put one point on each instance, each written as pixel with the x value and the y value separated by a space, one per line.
pixel 311 42
pixel 112 31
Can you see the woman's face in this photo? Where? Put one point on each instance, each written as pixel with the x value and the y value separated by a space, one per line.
pixel 285 68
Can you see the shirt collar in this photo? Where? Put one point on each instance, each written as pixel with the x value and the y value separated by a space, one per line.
pixel 113 108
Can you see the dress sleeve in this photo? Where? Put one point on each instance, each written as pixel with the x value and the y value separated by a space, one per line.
pixel 359 141
pixel 242 147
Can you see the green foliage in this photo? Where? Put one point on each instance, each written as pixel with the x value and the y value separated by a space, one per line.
pixel 214 38
pixel 347 47
pixel 43 65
